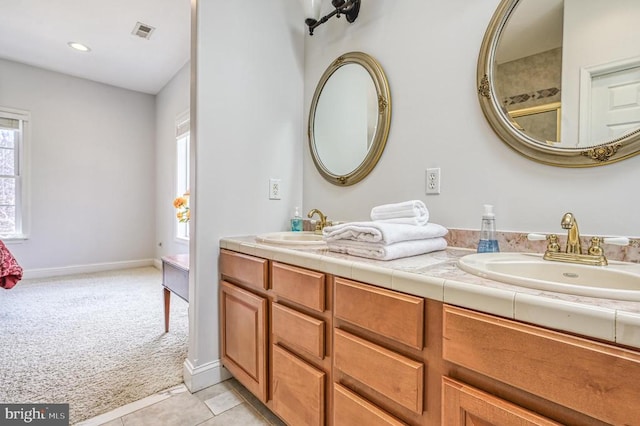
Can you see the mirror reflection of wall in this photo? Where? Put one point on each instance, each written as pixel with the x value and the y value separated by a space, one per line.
pixel 341 107
pixel 543 121
pixel 597 33
pixel 528 69
pixel 570 51
pixel 531 82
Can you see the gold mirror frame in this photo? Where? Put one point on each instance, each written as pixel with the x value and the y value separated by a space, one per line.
pixel 599 155
pixel 379 139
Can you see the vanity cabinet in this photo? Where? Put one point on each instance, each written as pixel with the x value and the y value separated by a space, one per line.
pixel 243 319
pixel 301 359
pixel 566 378
pixel 324 350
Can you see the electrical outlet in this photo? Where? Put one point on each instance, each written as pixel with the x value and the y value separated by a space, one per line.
pixel 274 189
pixel 433 181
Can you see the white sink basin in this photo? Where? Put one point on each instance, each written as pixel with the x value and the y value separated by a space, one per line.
pixel 308 239
pixel 618 280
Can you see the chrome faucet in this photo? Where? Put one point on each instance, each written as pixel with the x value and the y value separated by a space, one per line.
pixel 573 236
pixel 320 224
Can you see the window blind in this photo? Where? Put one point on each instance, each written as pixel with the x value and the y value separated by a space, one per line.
pixel 182 124
pixel 9 123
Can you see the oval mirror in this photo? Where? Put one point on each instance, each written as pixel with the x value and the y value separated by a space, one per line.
pixel 559 80
pixel 349 118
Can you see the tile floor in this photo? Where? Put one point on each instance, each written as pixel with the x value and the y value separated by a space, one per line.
pixel 227 403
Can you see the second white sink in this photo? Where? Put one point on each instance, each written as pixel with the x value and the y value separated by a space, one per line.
pixel 304 238
pixel 618 280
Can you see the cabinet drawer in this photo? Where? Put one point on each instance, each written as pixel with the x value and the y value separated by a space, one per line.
pixel 299 285
pixel 397 316
pixel 395 376
pixel 298 390
pixel 244 269
pixel 349 409
pixel 589 377
pixel 298 330
pixel 465 405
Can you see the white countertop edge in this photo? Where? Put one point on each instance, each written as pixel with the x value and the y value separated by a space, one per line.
pixel 486 299
pixel 593 321
pixel 628 328
pixel 418 285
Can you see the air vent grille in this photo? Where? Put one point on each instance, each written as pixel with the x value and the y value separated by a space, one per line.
pixel 143 30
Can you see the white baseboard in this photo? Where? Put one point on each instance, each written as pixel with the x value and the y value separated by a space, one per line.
pixel 84 269
pixel 209 374
pixel 157 263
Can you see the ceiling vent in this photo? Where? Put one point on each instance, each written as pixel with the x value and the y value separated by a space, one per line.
pixel 142 30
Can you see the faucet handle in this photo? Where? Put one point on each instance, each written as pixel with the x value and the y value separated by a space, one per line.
pixel 616 241
pixel 594 248
pixel 552 245
pixel 536 237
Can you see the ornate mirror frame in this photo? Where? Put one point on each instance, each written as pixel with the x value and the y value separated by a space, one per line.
pixel 381 134
pixel 606 153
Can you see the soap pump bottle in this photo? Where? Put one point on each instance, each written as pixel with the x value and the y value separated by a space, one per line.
pixel 488 242
pixel 296 221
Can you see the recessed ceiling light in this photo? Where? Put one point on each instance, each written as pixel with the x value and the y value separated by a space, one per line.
pixel 79 46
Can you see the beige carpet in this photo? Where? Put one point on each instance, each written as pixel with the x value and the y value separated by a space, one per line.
pixel 95 341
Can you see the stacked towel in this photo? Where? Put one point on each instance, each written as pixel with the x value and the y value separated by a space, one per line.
pixel 388 251
pixel 383 240
pixel 381 232
pixel 412 212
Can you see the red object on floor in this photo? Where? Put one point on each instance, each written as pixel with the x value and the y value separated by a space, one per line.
pixel 10 271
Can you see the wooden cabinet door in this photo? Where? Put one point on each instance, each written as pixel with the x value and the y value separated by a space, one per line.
pixel 298 390
pixel 463 405
pixel 243 324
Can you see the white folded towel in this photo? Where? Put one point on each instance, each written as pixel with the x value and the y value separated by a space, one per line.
pixel 381 232
pixel 388 251
pixel 412 212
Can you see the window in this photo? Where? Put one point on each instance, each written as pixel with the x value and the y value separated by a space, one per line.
pixel 13 149
pixel 182 168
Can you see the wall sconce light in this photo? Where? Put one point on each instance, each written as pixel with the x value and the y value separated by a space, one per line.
pixel 348 8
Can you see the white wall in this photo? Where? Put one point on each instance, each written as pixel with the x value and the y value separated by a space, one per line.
pixel 248 128
pixel 429 52
pixel 172 101
pixel 91 167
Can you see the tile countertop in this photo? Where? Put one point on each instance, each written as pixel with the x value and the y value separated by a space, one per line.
pixel 437 276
